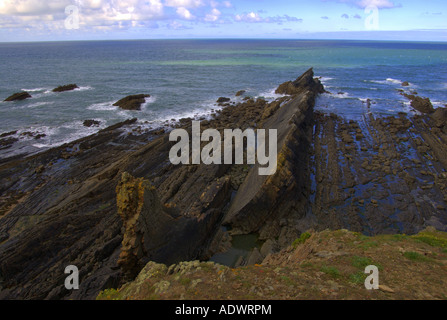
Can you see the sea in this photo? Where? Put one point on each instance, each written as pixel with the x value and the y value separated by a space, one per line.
pixel 186 77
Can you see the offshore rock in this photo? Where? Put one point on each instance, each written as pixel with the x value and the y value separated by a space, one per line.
pixel 68 87
pixel 132 102
pixel 19 96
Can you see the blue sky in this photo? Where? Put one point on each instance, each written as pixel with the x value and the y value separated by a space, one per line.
pixel 39 20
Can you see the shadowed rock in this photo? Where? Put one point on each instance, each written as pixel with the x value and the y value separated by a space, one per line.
pixel 18 96
pixel 91 123
pixel 68 87
pixel 305 82
pixel 154 232
pixel 420 104
pixel 133 102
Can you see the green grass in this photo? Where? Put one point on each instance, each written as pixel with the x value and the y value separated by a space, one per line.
pixel 332 271
pixel 431 240
pixel 362 262
pixel 414 256
pixel 358 278
pixel 302 239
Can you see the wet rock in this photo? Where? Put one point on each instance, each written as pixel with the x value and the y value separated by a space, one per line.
pixel 302 83
pixel 91 123
pixel 405 84
pixel 7 134
pixel 223 100
pixel 239 93
pixel 132 102
pixel 68 87
pixel 7 143
pixel 18 96
pixel 423 105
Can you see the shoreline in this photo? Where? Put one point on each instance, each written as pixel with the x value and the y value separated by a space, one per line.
pixel 380 175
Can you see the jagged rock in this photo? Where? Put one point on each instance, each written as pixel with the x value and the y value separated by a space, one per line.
pixel 302 83
pixel 68 87
pixel 440 117
pixel 420 104
pixel 132 102
pixel 223 100
pixel 263 199
pixel 239 93
pixel 7 143
pixel 7 134
pixel 19 96
pixel 91 123
pixel 154 232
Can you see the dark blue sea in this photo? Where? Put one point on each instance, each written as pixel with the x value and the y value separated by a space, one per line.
pixel 185 78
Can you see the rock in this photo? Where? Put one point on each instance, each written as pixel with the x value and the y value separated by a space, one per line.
pixel 91 123
pixel 302 83
pixel 7 134
pixel 440 117
pixel 239 93
pixel 420 104
pixel 68 87
pixel 7 143
pixel 132 102
pixel 223 100
pixel 385 288
pixel 254 258
pixel 405 84
pixel 255 203
pixel 154 232
pixel 19 96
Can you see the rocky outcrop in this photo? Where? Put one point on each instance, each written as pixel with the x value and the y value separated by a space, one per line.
pixel 68 87
pixel 223 100
pixel 19 96
pixel 263 201
pixel 91 123
pixel 420 104
pixel 239 93
pixel 132 102
pixel 154 232
pixel 305 82
pixel 440 117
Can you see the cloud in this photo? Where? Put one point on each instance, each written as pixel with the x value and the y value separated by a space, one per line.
pixel 106 14
pixel 184 13
pixel 184 3
pixel 325 18
pixel 213 16
pixel 345 16
pixel 362 4
pixel 253 17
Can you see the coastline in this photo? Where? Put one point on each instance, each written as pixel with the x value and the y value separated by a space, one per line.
pixel 382 175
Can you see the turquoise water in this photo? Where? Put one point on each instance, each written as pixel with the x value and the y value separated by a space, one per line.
pixel 185 78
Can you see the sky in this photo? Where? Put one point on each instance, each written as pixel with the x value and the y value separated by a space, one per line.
pixel 59 20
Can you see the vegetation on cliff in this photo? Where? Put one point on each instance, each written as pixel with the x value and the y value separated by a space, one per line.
pixel 320 265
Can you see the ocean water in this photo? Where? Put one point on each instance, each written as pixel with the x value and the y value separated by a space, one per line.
pixel 185 78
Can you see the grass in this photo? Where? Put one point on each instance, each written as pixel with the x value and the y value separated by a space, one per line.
pixel 358 278
pixel 332 271
pixel 302 239
pixel 414 256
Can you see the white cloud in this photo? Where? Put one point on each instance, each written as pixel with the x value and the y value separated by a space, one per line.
pixel 254 17
pixel 184 3
pixel 184 13
pixel 380 4
pixel 213 16
pixel 249 17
